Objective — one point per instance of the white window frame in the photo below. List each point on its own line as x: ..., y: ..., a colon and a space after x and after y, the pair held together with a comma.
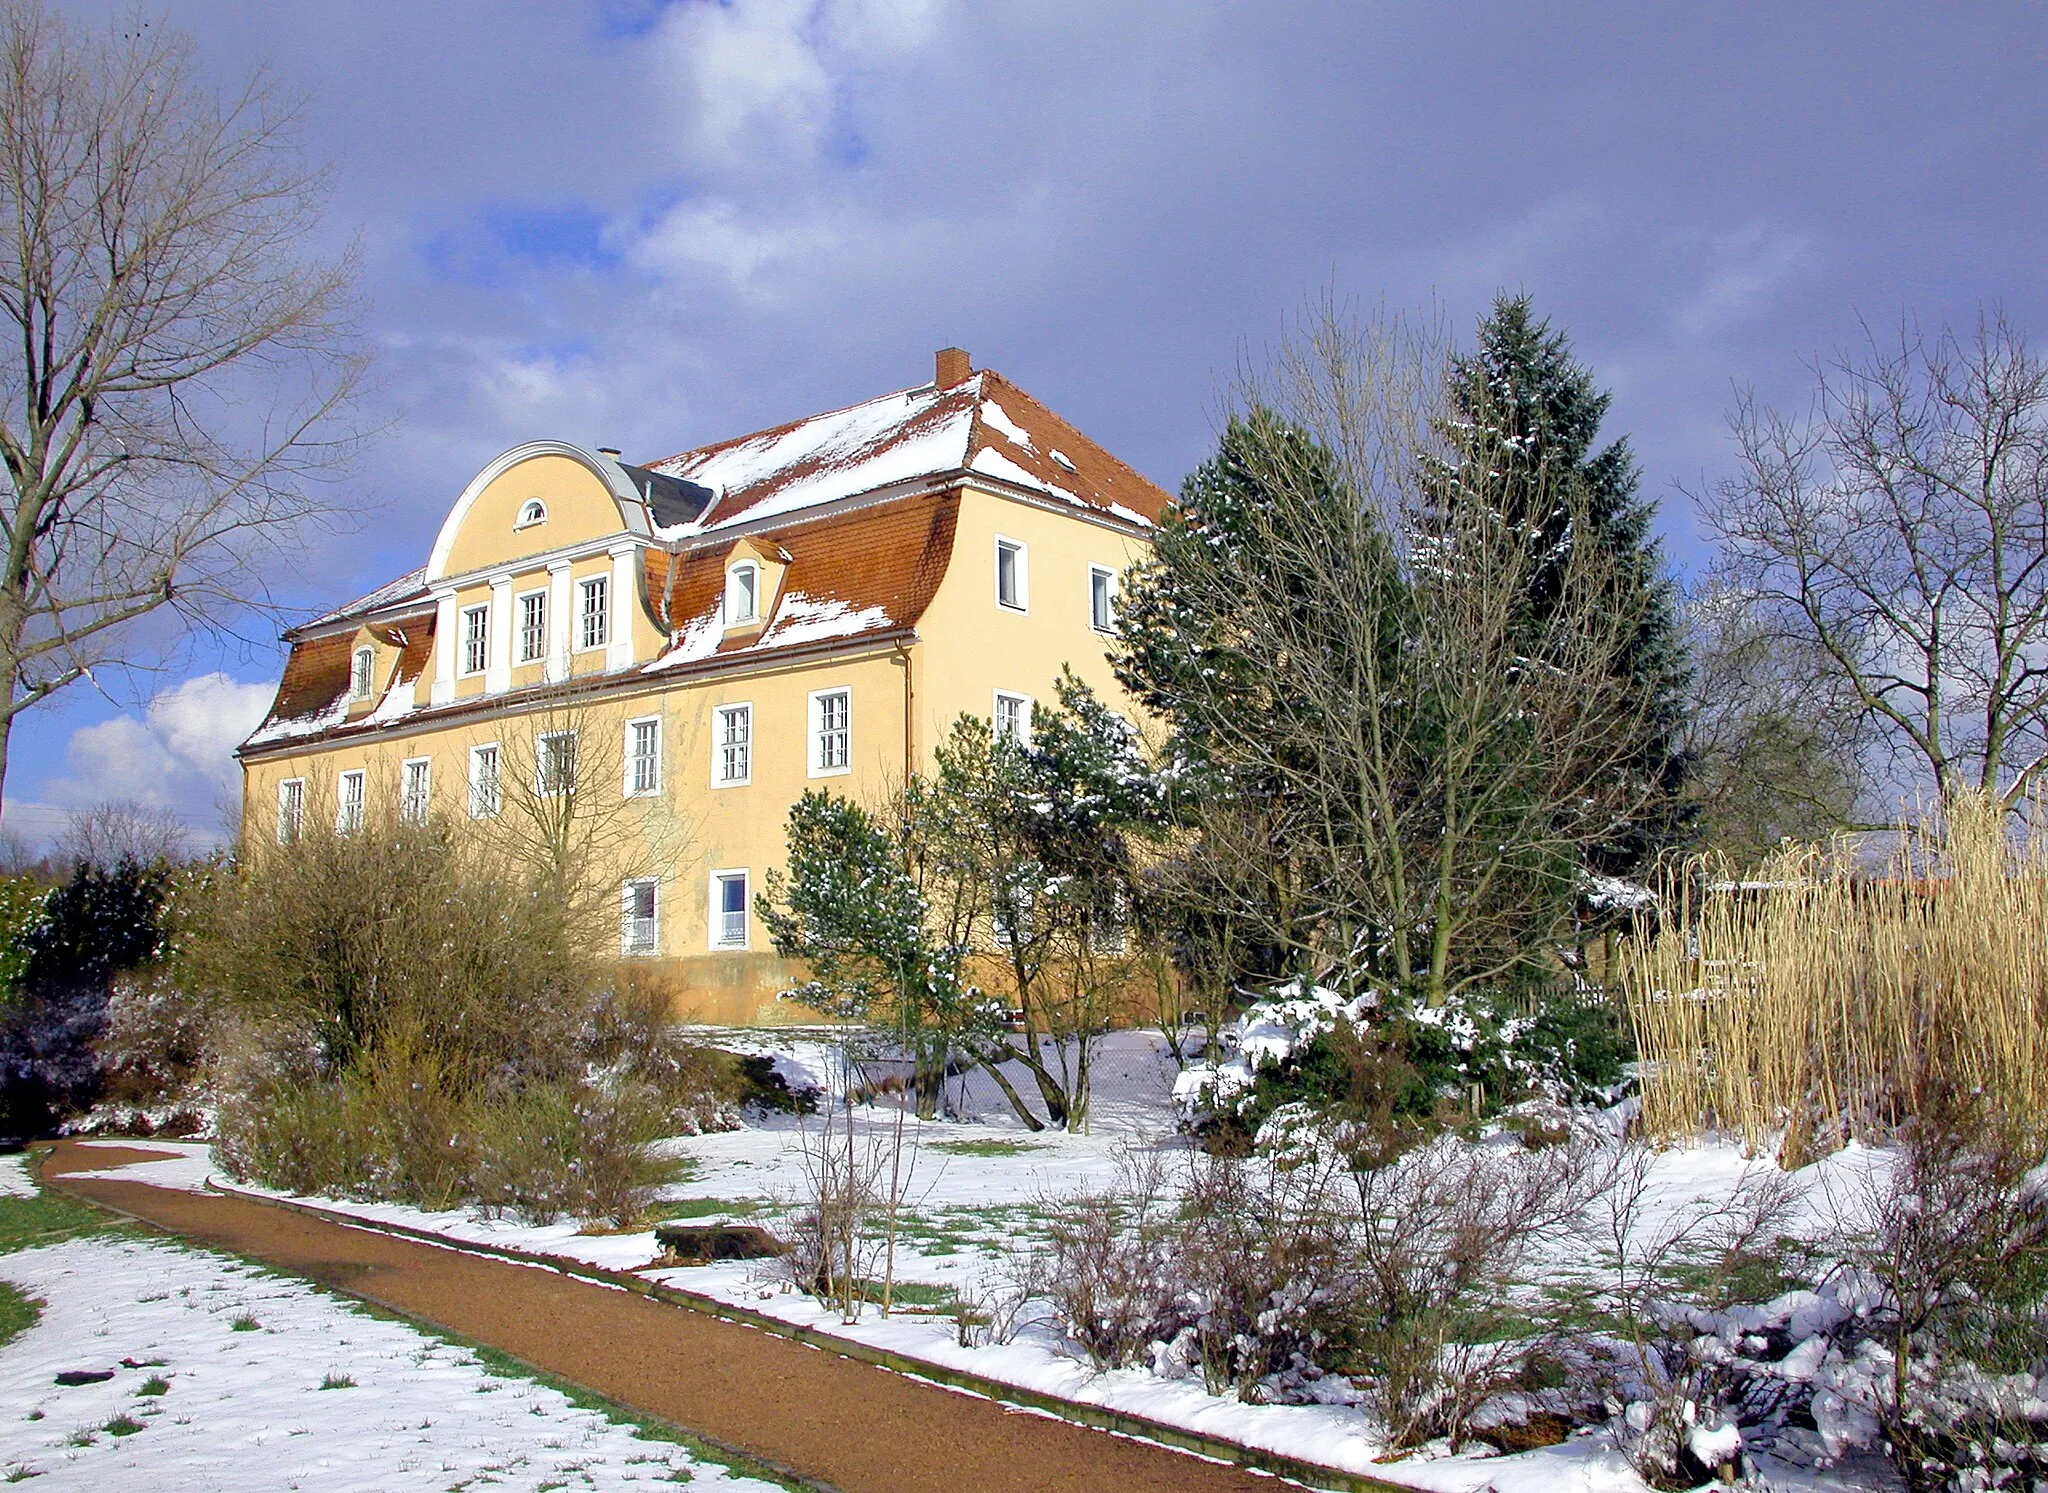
x: 995, y: 717
x: 629, y: 785
x: 719, y: 745
x: 414, y: 808
x: 362, y: 673
x: 528, y: 517
x: 1103, y: 577
x: 733, y: 617
x: 349, y: 795
x: 629, y: 946
x: 477, y: 646
x: 820, y: 768
x: 540, y: 763
x: 291, y: 810
x: 599, y: 636
x: 715, y: 914
x: 1022, y: 572
x: 520, y: 657
x: 479, y: 808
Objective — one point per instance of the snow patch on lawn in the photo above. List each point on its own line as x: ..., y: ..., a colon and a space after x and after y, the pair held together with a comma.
x: 14, y: 1179
x: 244, y: 1408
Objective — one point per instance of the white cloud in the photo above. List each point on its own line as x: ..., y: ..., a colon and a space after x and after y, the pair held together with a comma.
x: 178, y: 755
x: 1750, y: 266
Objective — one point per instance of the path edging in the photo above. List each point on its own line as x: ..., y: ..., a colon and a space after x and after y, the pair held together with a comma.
x: 1096, y: 1417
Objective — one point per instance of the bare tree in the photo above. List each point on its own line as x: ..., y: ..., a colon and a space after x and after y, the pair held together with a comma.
x: 177, y: 352
x: 1898, y: 533
x: 1772, y: 733
x: 124, y: 829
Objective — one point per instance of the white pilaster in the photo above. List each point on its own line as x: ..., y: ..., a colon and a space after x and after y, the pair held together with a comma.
x: 447, y: 646
x: 624, y: 588
x: 562, y: 621
x: 498, y: 672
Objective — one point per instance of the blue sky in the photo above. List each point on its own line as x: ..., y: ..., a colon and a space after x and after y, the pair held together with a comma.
x: 654, y: 225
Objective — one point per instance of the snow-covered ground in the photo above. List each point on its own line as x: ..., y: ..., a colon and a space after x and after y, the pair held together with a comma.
x: 228, y: 1378
x: 974, y: 1187
x: 14, y: 1182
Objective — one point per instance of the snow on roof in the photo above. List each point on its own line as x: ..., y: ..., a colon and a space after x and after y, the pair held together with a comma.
x: 922, y: 432
x: 405, y: 588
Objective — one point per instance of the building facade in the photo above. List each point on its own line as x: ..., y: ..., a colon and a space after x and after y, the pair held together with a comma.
x: 695, y: 641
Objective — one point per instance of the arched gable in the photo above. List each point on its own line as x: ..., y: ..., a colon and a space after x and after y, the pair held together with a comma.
x: 585, y: 494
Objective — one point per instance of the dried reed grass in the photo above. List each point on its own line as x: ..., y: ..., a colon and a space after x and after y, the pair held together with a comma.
x: 1822, y: 999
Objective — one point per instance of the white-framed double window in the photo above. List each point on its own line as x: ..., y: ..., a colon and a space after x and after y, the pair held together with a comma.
x: 1013, y: 578
x: 593, y: 612
x: 348, y: 802
x: 533, y: 626
x: 476, y: 639
x: 1012, y: 717
x: 362, y: 673
x: 554, y: 763
x: 291, y: 810
x: 743, y: 594
x: 831, y: 732
x: 485, y: 798
x: 728, y: 909
x: 732, y: 746
x: 643, y: 757
x: 1101, y: 598
x: 415, y: 789
x: 639, y: 917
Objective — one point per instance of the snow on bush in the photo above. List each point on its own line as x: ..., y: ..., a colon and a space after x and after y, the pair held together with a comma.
x: 1270, y: 1032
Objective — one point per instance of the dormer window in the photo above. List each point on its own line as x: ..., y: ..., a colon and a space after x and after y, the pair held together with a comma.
x: 533, y: 512
x: 361, y: 673
x: 742, y: 595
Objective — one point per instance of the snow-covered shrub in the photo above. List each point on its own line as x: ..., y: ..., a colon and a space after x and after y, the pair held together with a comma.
x: 1109, y: 1265
x: 1396, y: 1067
x: 153, y: 1057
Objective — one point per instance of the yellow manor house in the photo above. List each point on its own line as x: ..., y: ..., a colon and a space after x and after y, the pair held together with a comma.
x: 713, y: 633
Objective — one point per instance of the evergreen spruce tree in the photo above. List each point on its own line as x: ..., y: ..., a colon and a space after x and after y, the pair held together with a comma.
x: 1525, y: 418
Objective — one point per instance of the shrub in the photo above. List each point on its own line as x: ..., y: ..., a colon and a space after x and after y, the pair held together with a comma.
x: 405, y: 1017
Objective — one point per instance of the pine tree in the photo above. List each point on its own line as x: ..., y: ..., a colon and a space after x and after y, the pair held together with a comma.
x: 1525, y: 419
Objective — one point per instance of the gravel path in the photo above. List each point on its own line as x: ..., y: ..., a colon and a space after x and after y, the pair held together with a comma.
x: 854, y: 1427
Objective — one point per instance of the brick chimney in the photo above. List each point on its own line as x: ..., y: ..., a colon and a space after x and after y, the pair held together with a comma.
x: 954, y: 366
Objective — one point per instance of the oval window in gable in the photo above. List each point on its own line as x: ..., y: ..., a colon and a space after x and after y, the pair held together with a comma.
x: 534, y: 512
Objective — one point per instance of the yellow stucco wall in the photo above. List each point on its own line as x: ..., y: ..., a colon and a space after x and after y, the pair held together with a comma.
x: 579, y: 507
x: 974, y: 647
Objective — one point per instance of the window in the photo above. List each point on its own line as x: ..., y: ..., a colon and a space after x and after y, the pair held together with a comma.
x: 728, y: 909
x: 732, y: 747
x: 1011, y: 582
x: 483, y: 781
x: 362, y: 673
x: 643, y: 757
x: 594, y: 628
x: 1013, y: 718
x: 476, y: 639
x: 742, y: 594
x: 533, y: 627
x: 638, y: 933
x: 414, y: 790
x: 533, y: 512
x: 1101, y: 598
x: 554, y: 768
x: 348, y: 803
x: 291, y: 810
x: 831, y: 731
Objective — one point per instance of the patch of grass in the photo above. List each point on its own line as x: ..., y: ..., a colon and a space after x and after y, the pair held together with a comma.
x: 245, y: 1323
x: 122, y: 1425
x: 47, y: 1218
x: 985, y: 1147
x: 154, y: 1385
x: 702, y: 1208
x: 20, y: 1472
x: 18, y: 1313
x: 915, y: 1293
x: 83, y: 1436
x: 338, y: 1381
